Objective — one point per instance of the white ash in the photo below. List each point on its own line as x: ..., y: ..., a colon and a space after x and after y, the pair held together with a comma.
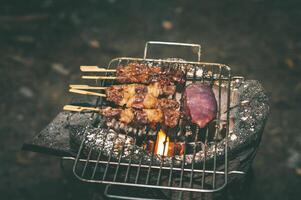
x: 233, y: 137
x: 244, y: 118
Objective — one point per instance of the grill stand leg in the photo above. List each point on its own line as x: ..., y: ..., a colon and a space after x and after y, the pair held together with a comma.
x: 157, y: 194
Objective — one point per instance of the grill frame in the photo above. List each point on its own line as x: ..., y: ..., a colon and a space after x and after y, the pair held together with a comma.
x: 221, y: 79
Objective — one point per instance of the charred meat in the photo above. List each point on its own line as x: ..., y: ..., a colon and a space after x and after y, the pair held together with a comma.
x: 141, y: 73
x: 138, y: 100
x: 167, y: 117
x: 154, y: 89
x: 200, y: 103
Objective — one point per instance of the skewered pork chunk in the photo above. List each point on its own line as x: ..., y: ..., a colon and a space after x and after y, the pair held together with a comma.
x: 168, y: 118
x: 154, y: 89
x: 141, y: 73
x: 200, y: 103
x: 140, y: 100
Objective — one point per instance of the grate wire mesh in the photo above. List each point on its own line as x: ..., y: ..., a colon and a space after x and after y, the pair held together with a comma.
x: 205, y: 176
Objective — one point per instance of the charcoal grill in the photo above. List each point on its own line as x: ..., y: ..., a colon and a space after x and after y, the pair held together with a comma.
x: 206, y: 168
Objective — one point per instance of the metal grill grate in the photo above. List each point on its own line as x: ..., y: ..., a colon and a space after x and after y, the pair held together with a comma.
x: 204, y: 168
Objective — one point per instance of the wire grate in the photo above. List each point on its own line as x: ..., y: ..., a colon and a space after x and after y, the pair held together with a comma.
x: 203, y: 164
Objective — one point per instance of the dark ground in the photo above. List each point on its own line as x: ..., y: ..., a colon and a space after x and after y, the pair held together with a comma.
x: 43, y: 43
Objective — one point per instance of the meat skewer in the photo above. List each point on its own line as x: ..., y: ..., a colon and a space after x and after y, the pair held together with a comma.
x: 166, y: 117
x: 129, y: 115
x: 141, y: 101
x: 135, y: 96
x: 141, y: 96
x: 87, y: 87
x: 155, y: 89
x: 77, y: 91
x: 95, y: 69
x: 138, y: 101
x: 138, y: 73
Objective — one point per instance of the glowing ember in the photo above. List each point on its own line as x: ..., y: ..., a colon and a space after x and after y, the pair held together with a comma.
x: 161, y: 139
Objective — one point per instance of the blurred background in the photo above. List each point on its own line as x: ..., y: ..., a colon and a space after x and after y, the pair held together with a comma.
x: 44, y: 42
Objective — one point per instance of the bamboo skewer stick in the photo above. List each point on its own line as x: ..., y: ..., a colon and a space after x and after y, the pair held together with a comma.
x: 87, y: 92
x: 79, y: 108
x: 95, y: 69
x: 99, y: 77
x: 87, y: 87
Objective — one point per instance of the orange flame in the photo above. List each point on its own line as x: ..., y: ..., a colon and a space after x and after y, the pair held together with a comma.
x: 159, y: 147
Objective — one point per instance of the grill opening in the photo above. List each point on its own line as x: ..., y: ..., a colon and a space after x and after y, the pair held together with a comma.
x: 181, y: 159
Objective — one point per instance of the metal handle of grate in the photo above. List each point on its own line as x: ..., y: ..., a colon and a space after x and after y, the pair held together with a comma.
x: 209, y: 175
x: 197, y: 46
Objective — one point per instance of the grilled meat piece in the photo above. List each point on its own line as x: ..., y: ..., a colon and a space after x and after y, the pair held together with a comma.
x: 167, y: 117
x: 200, y: 103
x: 138, y: 100
x: 129, y: 115
x: 168, y: 104
x: 141, y: 101
x: 141, y: 73
x: 155, y: 89
x: 171, y: 117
